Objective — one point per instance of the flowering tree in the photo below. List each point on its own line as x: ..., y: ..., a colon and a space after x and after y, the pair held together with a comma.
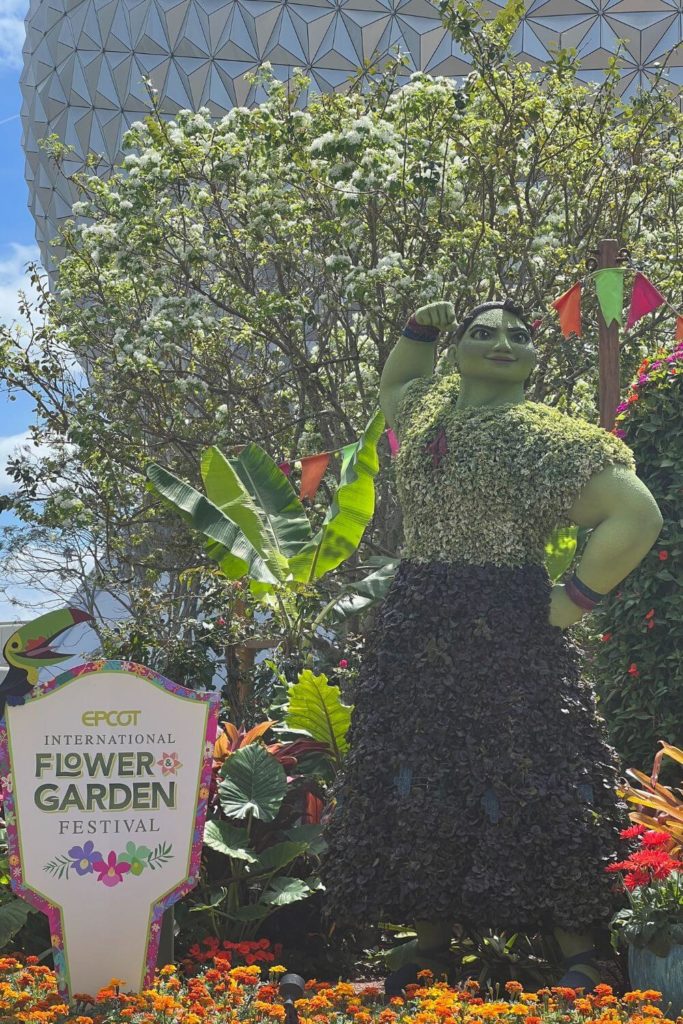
x: 244, y: 280
x: 638, y: 661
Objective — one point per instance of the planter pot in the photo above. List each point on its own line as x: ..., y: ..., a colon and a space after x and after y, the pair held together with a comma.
x: 664, y: 973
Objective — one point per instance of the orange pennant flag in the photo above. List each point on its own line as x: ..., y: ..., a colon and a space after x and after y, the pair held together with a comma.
x: 679, y: 328
x: 312, y: 471
x: 568, y: 307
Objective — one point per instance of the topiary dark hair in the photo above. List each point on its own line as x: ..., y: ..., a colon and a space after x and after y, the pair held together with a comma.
x: 507, y: 304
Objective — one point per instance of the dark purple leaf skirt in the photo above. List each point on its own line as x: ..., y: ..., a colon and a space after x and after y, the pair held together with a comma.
x: 480, y: 786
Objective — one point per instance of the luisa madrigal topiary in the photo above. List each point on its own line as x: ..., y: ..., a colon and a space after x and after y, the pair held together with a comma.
x: 638, y: 660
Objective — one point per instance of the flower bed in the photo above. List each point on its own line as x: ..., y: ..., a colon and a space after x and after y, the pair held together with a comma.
x: 230, y: 994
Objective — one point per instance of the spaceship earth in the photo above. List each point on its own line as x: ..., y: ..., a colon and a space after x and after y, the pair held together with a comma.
x: 84, y: 61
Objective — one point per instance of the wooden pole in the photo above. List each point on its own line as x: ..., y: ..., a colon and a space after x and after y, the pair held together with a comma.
x: 608, y: 343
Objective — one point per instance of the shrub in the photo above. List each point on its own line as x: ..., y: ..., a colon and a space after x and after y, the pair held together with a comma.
x: 638, y: 660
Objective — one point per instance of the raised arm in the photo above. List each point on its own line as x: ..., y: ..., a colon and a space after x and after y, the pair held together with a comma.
x: 625, y: 521
x: 413, y: 355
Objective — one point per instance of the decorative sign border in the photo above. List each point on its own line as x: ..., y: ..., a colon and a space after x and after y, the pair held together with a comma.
x: 38, y: 901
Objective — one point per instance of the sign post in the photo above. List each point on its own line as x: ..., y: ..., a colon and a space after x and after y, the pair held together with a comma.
x: 110, y: 766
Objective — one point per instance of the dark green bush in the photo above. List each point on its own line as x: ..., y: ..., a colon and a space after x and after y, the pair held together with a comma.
x: 638, y: 652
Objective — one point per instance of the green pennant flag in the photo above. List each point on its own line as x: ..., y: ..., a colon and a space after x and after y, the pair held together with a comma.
x: 609, y: 284
x: 347, y: 453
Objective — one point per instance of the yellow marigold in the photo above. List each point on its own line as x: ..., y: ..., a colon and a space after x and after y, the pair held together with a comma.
x: 529, y: 997
x: 192, y: 1018
x: 583, y: 1005
x: 167, y: 969
x: 278, y: 969
x: 116, y: 983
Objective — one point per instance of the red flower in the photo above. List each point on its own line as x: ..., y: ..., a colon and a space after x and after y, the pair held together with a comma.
x: 606, y: 637
x: 663, y: 555
x: 650, y: 614
x: 343, y: 663
x: 633, y: 670
x: 651, y: 625
x: 632, y: 832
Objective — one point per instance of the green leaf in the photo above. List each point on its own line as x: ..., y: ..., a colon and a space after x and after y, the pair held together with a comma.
x: 316, y: 707
x: 224, y: 488
x: 560, y: 550
x: 275, y: 857
x: 363, y: 594
x: 216, y: 897
x: 312, y: 835
x: 282, y: 515
x: 251, y: 912
x: 13, y: 915
x: 225, y: 541
x: 227, y: 839
x: 349, y: 513
x: 282, y: 891
x: 254, y: 784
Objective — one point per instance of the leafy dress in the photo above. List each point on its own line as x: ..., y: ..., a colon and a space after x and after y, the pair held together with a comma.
x: 479, y: 786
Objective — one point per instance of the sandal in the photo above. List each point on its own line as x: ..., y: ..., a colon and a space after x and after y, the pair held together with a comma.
x: 573, y: 977
x: 431, y: 959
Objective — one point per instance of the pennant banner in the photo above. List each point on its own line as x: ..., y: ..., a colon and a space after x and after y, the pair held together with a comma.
x: 609, y: 284
x: 286, y: 468
x: 679, y: 328
x: 393, y: 443
x: 312, y: 471
x: 568, y: 307
x: 644, y: 299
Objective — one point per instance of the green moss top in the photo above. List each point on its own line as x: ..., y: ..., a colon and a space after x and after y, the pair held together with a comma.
x: 490, y: 485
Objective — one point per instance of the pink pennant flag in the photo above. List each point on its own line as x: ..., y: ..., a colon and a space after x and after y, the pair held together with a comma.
x: 286, y: 467
x: 393, y: 442
x: 644, y: 299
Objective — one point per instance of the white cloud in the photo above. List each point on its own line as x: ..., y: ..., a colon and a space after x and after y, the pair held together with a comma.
x: 12, y: 14
x: 13, y: 276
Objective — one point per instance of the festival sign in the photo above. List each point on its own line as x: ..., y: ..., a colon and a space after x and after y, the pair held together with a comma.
x: 110, y: 769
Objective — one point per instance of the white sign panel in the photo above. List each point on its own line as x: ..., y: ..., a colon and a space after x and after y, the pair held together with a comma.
x: 110, y: 766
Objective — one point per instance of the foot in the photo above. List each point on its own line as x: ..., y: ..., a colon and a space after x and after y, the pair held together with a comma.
x: 580, y: 971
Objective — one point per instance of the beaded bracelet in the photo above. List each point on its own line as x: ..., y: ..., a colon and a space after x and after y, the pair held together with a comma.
x: 580, y: 594
x: 420, y: 332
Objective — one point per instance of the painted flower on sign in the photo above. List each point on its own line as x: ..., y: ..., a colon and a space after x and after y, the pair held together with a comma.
x: 112, y: 871
x: 169, y: 763
x: 137, y: 857
x: 84, y: 857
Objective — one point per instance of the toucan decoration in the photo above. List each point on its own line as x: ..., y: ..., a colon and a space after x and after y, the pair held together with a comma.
x: 30, y: 649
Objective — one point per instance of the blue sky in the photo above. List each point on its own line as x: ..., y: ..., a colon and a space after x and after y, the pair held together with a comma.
x: 17, y: 238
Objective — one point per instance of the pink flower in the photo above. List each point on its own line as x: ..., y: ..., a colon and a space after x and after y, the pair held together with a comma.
x: 633, y: 669
x: 619, y: 433
x: 113, y: 871
x: 663, y: 555
x: 343, y: 663
x: 169, y: 763
x: 622, y: 407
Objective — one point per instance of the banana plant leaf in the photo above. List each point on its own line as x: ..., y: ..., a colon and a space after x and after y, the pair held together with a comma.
x: 349, y: 513
x: 316, y: 708
x: 224, y: 488
x: 254, y: 783
x: 225, y: 542
x: 283, y: 516
x: 363, y: 594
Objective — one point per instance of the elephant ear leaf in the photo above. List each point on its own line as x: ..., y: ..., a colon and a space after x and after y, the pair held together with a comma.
x: 225, y: 542
x: 254, y: 784
x: 350, y: 511
x: 283, y: 517
x: 315, y: 707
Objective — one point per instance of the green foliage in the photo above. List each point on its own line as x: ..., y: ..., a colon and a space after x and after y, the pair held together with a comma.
x: 560, y: 550
x: 14, y: 913
x: 654, y: 918
x: 316, y: 708
x: 254, y: 784
x: 246, y: 538
x: 638, y: 649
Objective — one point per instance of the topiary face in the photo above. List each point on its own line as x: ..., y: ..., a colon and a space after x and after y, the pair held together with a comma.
x: 497, y: 346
